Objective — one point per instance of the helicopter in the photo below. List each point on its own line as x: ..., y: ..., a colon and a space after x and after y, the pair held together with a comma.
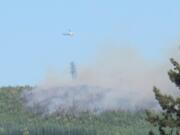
x: 69, y: 33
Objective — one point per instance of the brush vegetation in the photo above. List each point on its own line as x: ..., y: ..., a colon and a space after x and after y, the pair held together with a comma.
x: 15, y: 120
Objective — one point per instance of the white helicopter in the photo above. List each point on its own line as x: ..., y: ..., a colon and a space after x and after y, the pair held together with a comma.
x: 69, y: 33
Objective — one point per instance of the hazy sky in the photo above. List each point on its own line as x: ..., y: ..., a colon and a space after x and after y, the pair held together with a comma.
x: 31, y: 40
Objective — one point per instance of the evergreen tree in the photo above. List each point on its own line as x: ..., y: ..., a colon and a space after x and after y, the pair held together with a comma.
x: 168, y: 121
x: 73, y: 70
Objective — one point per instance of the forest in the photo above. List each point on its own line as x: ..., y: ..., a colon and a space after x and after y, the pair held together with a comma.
x: 15, y: 120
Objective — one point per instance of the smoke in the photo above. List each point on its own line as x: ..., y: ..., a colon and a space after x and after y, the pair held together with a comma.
x: 119, y: 78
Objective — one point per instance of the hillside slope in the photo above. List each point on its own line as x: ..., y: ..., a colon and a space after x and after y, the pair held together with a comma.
x: 15, y: 120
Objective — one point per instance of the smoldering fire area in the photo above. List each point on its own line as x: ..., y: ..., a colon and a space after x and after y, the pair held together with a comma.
x: 119, y: 79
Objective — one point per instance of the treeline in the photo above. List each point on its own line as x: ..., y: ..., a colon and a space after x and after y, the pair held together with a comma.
x: 15, y: 120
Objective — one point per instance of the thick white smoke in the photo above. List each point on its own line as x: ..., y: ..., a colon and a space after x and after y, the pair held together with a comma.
x: 119, y: 78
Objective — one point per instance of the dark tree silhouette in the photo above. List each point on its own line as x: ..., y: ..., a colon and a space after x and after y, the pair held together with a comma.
x: 73, y: 70
x: 168, y: 121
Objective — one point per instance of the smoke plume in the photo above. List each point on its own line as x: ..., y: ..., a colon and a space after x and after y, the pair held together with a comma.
x: 118, y: 78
